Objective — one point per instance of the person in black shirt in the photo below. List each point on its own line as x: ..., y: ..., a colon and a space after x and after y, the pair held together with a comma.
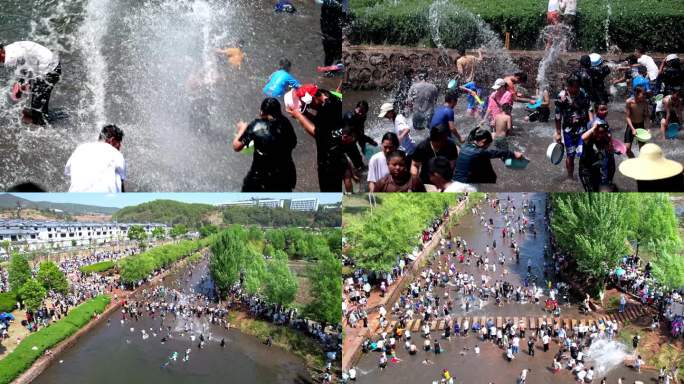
x: 474, y: 164
x: 597, y: 163
x: 332, y: 17
x: 323, y: 121
x: 438, y: 144
x: 356, y: 120
x: 274, y: 139
x: 572, y: 116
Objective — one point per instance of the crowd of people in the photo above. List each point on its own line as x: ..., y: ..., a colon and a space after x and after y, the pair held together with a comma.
x: 460, y: 279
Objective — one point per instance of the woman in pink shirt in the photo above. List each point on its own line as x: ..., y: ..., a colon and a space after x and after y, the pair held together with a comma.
x: 497, y: 99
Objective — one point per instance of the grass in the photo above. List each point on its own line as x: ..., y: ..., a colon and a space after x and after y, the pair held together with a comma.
x: 284, y: 337
x: 24, y: 355
x: 98, y: 267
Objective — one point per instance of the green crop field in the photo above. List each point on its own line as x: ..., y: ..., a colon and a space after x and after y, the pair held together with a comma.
x: 653, y: 24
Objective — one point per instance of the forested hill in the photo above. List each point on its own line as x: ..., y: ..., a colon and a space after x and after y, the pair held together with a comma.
x: 166, y: 211
x: 198, y: 215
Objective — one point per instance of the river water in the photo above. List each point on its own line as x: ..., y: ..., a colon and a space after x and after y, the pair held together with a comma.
x: 112, y: 353
x: 490, y: 365
x: 150, y: 67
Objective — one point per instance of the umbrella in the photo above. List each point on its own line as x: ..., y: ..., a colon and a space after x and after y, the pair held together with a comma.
x: 619, y: 272
x: 6, y: 316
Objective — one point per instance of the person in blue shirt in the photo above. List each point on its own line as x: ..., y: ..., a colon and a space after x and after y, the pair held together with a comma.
x: 474, y: 106
x: 281, y: 80
x: 444, y: 114
x: 640, y: 80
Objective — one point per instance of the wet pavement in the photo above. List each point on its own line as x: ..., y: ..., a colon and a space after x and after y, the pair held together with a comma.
x: 150, y: 68
x: 531, y: 138
x: 112, y: 353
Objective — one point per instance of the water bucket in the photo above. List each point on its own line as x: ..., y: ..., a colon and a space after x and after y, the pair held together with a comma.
x: 292, y: 101
x: 672, y: 131
x: 643, y: 135
x: 370, y: 150
x: 555, y: 152
x: 619, y: 147
x: 248, y: 150
x: 535, y: 105
x: 516, y: 163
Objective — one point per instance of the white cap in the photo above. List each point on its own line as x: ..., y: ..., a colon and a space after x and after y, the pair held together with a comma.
x: 385, y: 108
x: 671, y: 57
x: 595, y: 59
x: 498, y: 83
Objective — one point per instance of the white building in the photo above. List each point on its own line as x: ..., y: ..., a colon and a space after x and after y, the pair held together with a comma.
x: 310, y: 204
x: 34, y: 235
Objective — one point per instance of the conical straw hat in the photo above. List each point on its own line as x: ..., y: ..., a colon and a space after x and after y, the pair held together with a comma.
x: 650, y: 165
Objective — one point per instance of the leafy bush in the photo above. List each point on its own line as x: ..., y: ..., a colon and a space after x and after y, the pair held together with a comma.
x: 137, y: 267
x: 407, y: 22
x: 98, y: 267
x: 8, y: 301
x: 23, y: 356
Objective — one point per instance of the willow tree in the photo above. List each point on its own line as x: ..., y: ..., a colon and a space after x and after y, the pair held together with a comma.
x: 668, y: 265
x: 280, y: 285
x: 594, y: 228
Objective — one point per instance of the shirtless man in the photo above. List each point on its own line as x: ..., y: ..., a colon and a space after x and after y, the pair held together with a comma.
x: 672, y: 111
x: 503, y: 122
x: 637, y: 112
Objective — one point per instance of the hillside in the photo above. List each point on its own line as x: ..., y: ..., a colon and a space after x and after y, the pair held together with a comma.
x: 9, y: 201
x: 166, y: 211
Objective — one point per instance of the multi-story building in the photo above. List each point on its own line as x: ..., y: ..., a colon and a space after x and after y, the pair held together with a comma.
x: 309, y: 204
x: 32, y: 235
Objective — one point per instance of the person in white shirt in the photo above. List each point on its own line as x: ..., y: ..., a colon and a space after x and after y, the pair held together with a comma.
x: 36, y: 67
x: 569, y: 8
x: 651, y: 67
x: 98, y: 166
x: 377, y: 165
x: 401, y: 127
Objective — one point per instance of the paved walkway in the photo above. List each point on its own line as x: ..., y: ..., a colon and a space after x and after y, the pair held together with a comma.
x: 353, y: 337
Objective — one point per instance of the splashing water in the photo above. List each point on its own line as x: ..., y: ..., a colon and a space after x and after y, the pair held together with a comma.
x: 451, y: 24
x: 606, y: 24
x: 607, y: 354
x: 556, y: 39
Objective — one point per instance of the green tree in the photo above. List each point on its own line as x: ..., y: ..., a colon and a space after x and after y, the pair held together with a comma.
x: 52, y: 278
x: 655, y: 220
x: 7, y: 246
x: 234, y: 261
x: 594, y: 227
x: 178, y: 230
x: 208, y: 230
x: 32, y: 294
x: 158, y: 233
x: 137, y: 233
x: 19, y: 271
x: 280, y: 285
x: 326, y: 290
x: 668, y: 266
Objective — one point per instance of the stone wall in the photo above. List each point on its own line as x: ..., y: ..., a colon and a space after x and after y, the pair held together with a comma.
x: 381, y: 67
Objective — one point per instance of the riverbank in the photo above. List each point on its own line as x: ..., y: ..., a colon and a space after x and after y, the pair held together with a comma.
x: 36, y: 344
x: 286, y: 338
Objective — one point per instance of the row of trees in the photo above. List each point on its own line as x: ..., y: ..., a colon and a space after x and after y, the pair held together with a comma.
x: 281, y: 217
x: 137, y: 267
x: 376, y: 237
x: 240, y: 258
x: 599, y: 229
x: 32, y: 290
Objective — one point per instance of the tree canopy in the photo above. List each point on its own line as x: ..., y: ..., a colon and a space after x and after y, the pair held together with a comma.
x: 52, y: 277
x: 325, y: 276
x: 234, y: 261
x: 137, y: 233
x: 158, y: 233
x: 596, y: 228
x: 280, y: 283
x: 392, y: 228
x: 32, y: 294
x: 19, y: 271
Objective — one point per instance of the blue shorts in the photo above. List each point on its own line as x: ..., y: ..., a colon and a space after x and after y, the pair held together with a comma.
x: 573, y: 143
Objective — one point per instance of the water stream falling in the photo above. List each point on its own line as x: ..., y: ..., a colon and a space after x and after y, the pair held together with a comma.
x: 606, y: 355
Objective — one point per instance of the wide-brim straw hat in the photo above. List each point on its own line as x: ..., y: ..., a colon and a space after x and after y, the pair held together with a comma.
x: 650, y: 165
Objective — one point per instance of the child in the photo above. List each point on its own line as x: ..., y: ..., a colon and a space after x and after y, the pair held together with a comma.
x: 474, y: 106
x: 281, y: 80
x: 399, y: 178
x: 503, y: 122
